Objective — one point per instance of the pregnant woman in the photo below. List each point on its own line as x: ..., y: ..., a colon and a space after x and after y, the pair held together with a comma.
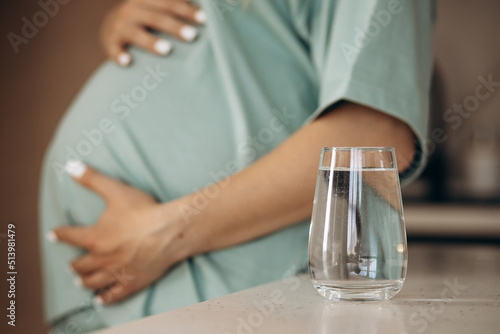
x: 188, y: 172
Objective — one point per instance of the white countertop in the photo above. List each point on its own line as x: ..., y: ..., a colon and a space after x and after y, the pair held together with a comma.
x: 449, y: 289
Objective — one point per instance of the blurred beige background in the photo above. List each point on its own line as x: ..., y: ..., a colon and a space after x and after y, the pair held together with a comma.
x: 41, y: 80
x: 38, y: 84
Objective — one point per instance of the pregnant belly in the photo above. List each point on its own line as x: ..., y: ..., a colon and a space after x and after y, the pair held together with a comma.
x: 172, y: 125
x: 150, y: 126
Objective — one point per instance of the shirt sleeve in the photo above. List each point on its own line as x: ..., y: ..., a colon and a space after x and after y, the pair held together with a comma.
x: 376, y: 53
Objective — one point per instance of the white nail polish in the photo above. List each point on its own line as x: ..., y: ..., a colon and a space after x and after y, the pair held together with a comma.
x: 51, y: 236
x: 163, y: 47
x: 200, y: 16
x: 78, y: 281
x: 75, y: 168
x: 98, y: 300
x: 124, y: 59
x: 188, y: 33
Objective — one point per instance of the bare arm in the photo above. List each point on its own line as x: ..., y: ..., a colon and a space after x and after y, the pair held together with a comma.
x: 278, y: 190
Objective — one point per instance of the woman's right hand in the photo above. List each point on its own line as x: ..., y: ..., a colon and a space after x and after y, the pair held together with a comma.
x: 130, y: 21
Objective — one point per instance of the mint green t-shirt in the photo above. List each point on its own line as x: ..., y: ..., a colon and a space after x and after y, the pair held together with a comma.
x: 259, y: 71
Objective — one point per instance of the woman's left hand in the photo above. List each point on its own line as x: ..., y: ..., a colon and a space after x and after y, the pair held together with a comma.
x: 132, y: 244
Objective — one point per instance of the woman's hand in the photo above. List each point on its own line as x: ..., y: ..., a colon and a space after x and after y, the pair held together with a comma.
x: 130, y: 21
x: 131, y: 245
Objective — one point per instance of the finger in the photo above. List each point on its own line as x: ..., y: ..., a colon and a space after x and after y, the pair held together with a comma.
x: 167, y: 24
x: 92, y: 262
x: 119, y: 54
x: 97, y: 280
x: 188, y: 12
x: 75, y: 235
x: 146, y: 40
x: 86, y: 265
x: 116, y: 50
x: 109, y: 36
x: 114, y: 294
x: 181, y: 9
x: 90, y: 178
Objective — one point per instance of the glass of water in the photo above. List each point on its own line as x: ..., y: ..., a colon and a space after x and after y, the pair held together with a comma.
x: 357, y: 241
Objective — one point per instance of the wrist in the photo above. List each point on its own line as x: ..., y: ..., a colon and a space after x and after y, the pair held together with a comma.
x: 178, y: 230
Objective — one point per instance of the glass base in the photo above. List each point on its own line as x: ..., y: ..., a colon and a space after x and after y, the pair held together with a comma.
x: 365, y: 292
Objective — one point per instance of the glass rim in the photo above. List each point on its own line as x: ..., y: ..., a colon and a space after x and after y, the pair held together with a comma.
x: 364, y: 148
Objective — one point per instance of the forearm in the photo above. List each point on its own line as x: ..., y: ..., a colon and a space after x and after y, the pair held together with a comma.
x: 278, y: 190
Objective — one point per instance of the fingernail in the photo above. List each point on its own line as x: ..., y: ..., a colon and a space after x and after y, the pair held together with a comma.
x: 78, y: 281
x: 98, y: 300
x: 188, y: 33
x: 52, y: 236
x: 200, y: 16
x: 124, y: 59
x: 163, y: 47
x: 75, y: 168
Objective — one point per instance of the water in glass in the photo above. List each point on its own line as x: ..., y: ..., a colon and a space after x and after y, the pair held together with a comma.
x: 357, y: 242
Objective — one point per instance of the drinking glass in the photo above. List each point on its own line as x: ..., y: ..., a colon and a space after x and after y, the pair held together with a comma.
x: 357, y: 240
